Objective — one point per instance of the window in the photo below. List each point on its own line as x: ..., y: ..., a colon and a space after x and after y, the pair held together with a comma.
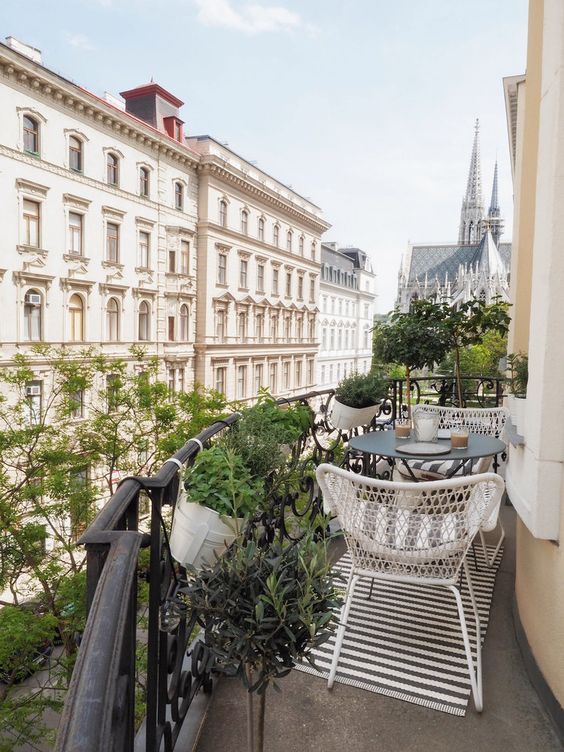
x: 31, y: 135
x: 220, y: 379
x: 286, y: 374
x: 34, y: 396
x: 273, y: 377
x: 301, y: 245
x: 275, y: 277
x: 112, y: 242
x: 289, y: 241
x: 144, y: 178
x: 184, y: 323
x: 258, y: 377
x: 312, y: 291
x: 75, y: 154
x: 332, y: 339
x: 172, y: 380
x: 112, y: 320
x: 340, y: 339
x: 144, y: 250
x: 171, y: 327
x: 76, y: 318
x: 172, y: 261
x: 323, y: 374
x: 260, y: 277
x: 241, y: 381
x: 184, y: 257
x: 324, y: 339
x: 287, y: 327
x: 261, y: 229
x: 223, y: 213
x: 178, y: 196
x: 313, y: 249
x: 300, y: 328
x: 75, y: 233
x: 300, y: 288
x: 144, y: 321
x: 298, y: 373
x: 221, y: 324
x: 274, y: 327
x: 222, y: 269
x: 243, y: 267
x: 245, y: 222
x: 259, y: 327
x: 310, y: 371
x: 112, y: 169
x: 276, y: 235
x: 77, y: 404
x: 31, y: 220
x: 242, y: 326
x: 288, y: 284
x: 33, y: 315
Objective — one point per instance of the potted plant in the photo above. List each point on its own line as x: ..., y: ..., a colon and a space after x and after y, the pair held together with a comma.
x: 218, y: 493
x: 518, y: 378
x: 264, y: 608
x: 357, y: 399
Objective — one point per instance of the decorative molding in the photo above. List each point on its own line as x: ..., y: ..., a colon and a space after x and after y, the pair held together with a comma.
x: 33, y: 112
x: 142, y: 292
x: 179, y: 230
x: 109, y: 211
x: 75, y: 132
x: 223, y: 248
x: 147, y: 223
x: 32, y: 278
x: 68, y: 283
x: 245, y: 255
x: 110, y: 288
x: 113, y: 150
x: 34, y: 189
x: 77, y: 264
x: 76, y: 201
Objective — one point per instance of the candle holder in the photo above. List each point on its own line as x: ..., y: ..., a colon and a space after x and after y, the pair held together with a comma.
x: 402, y: 428
x: 426, y: 426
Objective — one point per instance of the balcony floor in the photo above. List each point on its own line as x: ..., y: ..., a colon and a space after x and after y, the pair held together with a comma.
x: 306, y: 716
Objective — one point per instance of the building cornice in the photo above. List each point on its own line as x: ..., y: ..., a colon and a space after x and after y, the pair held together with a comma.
x: 42, y: 82
x: 218, y: 168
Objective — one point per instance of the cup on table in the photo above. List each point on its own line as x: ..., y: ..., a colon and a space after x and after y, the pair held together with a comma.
x: 402, y: 428
x: 426, y: 425
x: 459, y: 437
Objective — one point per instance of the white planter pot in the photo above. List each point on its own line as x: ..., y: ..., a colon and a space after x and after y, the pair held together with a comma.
x: 520, y: 407
x: 199, y: 534
x: 345, y: 417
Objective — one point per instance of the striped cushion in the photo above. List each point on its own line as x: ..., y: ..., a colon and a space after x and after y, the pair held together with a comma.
x: 433, y: 469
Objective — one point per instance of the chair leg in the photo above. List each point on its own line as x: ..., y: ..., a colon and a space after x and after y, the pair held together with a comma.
x: 490, y: 561
x: 475, y: 674
x: 353, y: 579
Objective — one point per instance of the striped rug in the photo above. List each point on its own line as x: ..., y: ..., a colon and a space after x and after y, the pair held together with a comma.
x: 406, y: 641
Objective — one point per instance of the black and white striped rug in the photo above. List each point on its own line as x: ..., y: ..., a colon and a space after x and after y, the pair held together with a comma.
x: 406, y: 641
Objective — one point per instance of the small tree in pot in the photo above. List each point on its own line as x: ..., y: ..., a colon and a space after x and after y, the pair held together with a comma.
x: 357, y: 399
x: 264, y: 609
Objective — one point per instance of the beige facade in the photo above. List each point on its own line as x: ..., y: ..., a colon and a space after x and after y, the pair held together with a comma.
x: 535, y: 478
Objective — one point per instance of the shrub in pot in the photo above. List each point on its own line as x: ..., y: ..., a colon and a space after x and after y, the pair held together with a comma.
x: 518, y: 378
x: 219, y: 493
x: 357, y: 399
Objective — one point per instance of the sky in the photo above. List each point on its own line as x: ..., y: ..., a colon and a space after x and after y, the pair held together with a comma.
x: 367, y: 107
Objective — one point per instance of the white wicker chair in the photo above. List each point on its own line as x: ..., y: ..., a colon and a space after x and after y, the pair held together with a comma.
x: 485, y: 421
x: 411, y: 532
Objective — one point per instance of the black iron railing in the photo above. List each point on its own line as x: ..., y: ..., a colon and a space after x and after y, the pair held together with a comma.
x: 99, y: 712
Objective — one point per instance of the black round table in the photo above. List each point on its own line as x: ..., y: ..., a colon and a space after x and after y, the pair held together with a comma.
x: 384, y: 444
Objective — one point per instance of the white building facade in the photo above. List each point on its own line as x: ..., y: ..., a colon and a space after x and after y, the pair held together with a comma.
x: 347, y: 307
x: 119, y: 231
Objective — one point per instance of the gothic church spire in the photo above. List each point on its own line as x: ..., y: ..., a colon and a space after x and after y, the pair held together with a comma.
x: 472, y: 212
x: 494, y: 220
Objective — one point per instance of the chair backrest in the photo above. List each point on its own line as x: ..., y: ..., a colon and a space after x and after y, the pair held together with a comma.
x: 409, y: 531
x: 488, y: 421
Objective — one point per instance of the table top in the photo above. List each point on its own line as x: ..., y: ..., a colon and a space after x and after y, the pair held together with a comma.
x: 385, y: 444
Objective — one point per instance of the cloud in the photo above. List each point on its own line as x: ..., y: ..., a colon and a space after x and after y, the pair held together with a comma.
x: 79, y: 40
x: 249, y: 19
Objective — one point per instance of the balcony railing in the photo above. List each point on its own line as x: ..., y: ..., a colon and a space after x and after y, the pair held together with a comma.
x: 99, y: 712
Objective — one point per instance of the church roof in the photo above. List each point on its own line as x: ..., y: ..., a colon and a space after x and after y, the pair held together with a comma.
x: 489, y: 258
x: 438, y: 260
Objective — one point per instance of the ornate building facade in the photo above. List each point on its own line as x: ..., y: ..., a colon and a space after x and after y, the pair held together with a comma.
x: 476, y: 267
x: 347, y: 300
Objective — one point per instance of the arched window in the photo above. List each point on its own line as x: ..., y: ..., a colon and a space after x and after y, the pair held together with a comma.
x: 289, y: 241
x: 301, y: 245
x: 261, y: 229
x: 223, y: 213
x: 76, y: 319
x: 178, y: 196
x: 33, y: 316
x: 184, y: 323
x: 276, y: 235
x: 112, y: 320
x: 144, y: 320
x: 31, y: 134
x: 245, y: 222
x: 144, y: 177
x: 112, y: 168
x: 75, y: 154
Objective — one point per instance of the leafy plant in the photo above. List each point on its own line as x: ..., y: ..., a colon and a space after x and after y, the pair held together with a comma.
x: 220, y: 480
x: 519, y: 373
x: 264, y: 609
x: 362, y: 389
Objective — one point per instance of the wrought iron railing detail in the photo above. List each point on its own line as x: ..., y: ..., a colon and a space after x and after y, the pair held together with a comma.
x: 99, y: 712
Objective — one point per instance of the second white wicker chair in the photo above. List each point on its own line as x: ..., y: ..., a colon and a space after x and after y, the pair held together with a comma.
x: 411, y: 532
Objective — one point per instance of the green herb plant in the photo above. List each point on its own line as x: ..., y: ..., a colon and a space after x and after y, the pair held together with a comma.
x: 362, y: 389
